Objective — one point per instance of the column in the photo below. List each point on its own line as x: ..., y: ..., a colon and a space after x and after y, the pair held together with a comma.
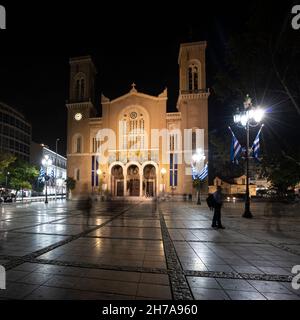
x: 109, y: 184
x: 125, y: 185
x: 141, y: 184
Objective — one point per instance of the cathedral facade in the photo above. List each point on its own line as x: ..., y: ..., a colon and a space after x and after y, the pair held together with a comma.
x: 136, y: 148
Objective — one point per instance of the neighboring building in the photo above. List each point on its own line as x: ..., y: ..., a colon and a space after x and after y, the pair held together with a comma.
x: 15, y: 132
x: 134, y: 167
x: 261, y: 183
x: 234, y: 187
x: 297, y: 189
x: 58, y: 168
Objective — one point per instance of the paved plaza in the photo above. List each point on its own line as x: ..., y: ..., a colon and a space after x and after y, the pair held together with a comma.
x: 148, y: 250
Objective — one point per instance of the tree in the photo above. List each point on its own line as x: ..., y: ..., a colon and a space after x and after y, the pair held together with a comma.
x: 262, y: 60
x: 39, y: 186
x: 220, y: 164
x: 23, y: 175
x: 70, y: 184
x: 6, y: 160
x: 282, y: 170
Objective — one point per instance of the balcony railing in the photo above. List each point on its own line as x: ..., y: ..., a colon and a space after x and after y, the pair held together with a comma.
x: 133, y: 155
x: 194, y: 91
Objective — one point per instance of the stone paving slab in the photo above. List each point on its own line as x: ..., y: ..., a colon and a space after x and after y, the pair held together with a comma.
x: 148, y: 250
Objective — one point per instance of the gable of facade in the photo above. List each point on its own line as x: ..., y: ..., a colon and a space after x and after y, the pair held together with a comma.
x: 126, y: 151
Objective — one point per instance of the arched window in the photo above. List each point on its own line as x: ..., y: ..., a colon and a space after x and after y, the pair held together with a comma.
x: 190, y: 79
x: 133, y: 130
x: 194, y: 142
x: 77, y: 174
x: 193, y: 76
x: 80, y: 86
x: 77, y: 89
x: 77, y: 143
x: 173, y: 141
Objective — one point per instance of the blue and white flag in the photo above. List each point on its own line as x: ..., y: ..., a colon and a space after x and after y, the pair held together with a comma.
x: 256, y: 146
x: 52, y: 175
x: 236, y: 148
x: 201, y: 174
x: 42, y: 174
x: 204, y: 172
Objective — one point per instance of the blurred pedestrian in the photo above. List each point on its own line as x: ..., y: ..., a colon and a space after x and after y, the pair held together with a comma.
x: 218, y: 202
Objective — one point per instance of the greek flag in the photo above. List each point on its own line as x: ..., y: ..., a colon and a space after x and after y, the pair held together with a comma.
x: 236, y: 148
x: 42, y: 174
x: 256, y: 146
x: 204, y: 172
x: 52, y: 175
x: 200, y: 175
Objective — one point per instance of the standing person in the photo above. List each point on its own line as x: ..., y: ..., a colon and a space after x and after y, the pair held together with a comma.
x: 218, y: 202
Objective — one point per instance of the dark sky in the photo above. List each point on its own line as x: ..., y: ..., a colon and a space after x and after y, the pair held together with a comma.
x: 128, y: 42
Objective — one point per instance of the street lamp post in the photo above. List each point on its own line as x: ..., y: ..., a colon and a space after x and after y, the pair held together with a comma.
x: 6, y: 179
x: 163, y: 171
x: 56, y: 142
x: 249, y: 117
x: 99, y: 173
x: 46, y: 162
x: 197, y: 158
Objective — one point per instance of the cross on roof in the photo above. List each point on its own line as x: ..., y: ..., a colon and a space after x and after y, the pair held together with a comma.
x: 133, y: 87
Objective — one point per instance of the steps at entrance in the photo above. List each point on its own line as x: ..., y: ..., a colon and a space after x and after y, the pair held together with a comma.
x: 133, y: 199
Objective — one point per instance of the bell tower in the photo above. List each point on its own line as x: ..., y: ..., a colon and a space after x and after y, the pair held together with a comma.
x: 192, y: 72
x: 193, y: 96
x: 82, y: 79
x: 81, y: 108
x: 81, y: 103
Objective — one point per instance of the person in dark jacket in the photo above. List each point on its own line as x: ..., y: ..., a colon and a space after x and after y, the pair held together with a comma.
x: 218, y: 202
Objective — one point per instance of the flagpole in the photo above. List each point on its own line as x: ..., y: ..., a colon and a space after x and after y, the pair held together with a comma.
x: 247, y: 213
x: 56, y: 167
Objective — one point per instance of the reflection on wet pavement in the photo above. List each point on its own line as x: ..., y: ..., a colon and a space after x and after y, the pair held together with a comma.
x: 120, y: 250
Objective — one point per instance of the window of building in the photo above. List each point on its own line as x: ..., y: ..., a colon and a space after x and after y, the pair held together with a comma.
x: 77, y: 88
x: 78, y: 144
x: 80, y: 87
x: 173, y: 170
x: 172, y: 142
x: 77, y: 174
x: 190, y: 78
x: 133, y: 131
x: 193, y: 142
x: 96, y: 145
x: 193, y: 76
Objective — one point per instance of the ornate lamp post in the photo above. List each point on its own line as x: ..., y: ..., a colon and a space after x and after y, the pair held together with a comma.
x: 99, y: 173
x: 56, y: 142
x: 46, y: 162
x: 163, y: 172
x: 249, y: 117
x: 6, y: 178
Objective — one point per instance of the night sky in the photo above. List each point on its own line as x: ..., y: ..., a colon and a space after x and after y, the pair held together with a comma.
x: 129, y: 43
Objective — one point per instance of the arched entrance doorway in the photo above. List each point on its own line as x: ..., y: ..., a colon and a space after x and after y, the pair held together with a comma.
x: 149, y: 183
x: 117, y: 181
x: 133, y: 181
